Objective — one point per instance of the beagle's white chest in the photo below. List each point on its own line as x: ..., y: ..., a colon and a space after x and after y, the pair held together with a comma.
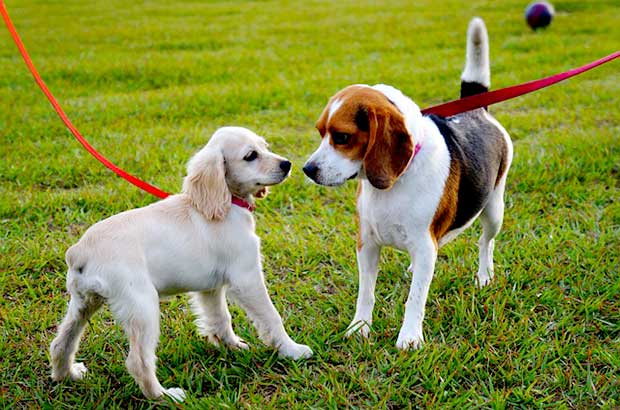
x: 383, y: 220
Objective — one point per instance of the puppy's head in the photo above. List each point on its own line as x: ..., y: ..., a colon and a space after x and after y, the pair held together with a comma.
x: 362, y: 133
x: 234, y: 162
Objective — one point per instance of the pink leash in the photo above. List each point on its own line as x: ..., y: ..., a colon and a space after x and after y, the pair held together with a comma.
x: 445, y: 110
x: 492, y: 97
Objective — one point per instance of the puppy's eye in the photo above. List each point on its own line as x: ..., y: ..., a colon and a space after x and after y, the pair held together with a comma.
x: 340, y: 138
x: 251, y: 156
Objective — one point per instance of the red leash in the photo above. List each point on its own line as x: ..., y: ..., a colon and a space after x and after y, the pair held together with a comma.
x: 134, y: 180
x: 445, y: 110
x: 503, y: 94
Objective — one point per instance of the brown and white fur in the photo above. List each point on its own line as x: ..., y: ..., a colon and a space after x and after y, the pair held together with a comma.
x: 191, y: 242
x: 415, y: 202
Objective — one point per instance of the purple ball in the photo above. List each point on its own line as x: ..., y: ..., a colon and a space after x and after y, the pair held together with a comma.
x: 539, y: 14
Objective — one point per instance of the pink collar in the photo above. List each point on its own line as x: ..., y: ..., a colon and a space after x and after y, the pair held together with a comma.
x: 416, y: 150
x: 243, y: 203
x: 250, y: 207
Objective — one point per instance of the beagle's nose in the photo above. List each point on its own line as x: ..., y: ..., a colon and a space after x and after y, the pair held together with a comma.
x: 285, y: 166
x: 311, y: 170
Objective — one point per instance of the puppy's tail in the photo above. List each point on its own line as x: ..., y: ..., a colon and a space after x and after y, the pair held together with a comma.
x: 79, y: 279
x: 476, y: 77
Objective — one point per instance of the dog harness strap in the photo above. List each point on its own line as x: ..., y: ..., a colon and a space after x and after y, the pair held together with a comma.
x: 492, y: 97
x: 243, y: 203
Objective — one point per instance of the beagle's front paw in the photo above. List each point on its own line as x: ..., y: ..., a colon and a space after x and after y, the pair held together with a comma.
x: 484, y: 277
x: 359, y: 327
x: 409, y: 340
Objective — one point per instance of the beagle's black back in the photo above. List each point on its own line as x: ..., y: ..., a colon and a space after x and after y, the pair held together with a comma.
x: 478, y: 153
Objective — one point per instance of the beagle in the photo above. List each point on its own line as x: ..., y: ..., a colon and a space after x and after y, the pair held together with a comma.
x: 423, y: 179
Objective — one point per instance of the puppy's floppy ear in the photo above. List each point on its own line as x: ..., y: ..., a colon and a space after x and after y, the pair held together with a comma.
x: 261, y: 193
x: 390, y: 146
x: 205, y: 184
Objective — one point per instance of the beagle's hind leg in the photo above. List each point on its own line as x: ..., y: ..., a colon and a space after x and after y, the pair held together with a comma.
x: 491, y: 218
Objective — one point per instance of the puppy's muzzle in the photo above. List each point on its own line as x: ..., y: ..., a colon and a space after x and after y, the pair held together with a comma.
x: 285, y: 166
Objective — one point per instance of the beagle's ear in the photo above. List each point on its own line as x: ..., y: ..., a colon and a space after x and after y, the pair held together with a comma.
x: 390, y: 146
x: 261, y: 193
x: 205, y: 184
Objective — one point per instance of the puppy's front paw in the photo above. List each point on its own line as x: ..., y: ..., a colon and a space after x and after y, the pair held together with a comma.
x: 77, y: 371
x: 175, y: 393
x: 237, y: 344
x: 295, y: 351
x: 358, y: 327
x: 408, y: 341
x: 230, y: 339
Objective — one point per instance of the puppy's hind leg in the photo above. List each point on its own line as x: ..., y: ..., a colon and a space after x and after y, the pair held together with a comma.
x: 65, y: 344
x: 213, y: 318
x: 138, y: 312
x: 491, y: 218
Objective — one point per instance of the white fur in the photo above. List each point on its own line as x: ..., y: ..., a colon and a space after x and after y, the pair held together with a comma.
x: 409, y: 109
x: 180, y: 244
x: 335, y: 168
x: 402, y: 216
x: 492, y: 215
x: 450, y: 235
x: 477, y: 67
x: 334, y: 107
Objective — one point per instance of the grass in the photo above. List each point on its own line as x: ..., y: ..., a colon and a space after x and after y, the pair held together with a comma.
x: 148, y: 83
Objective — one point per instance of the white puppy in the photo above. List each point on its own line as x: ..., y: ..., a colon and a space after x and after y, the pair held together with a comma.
x: 194, y: 241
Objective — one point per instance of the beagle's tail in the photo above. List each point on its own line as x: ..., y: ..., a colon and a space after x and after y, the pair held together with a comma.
x: 476, y: 77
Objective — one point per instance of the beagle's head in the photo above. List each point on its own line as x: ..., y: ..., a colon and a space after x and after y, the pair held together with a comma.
x: 363, y: 133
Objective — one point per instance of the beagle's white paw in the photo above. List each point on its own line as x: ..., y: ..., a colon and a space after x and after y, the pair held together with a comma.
x: 409, y: 340
x: 359, y: 327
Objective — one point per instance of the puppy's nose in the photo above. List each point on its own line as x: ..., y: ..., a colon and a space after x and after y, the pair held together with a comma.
x: 285, y: 166
x: 311, y: 170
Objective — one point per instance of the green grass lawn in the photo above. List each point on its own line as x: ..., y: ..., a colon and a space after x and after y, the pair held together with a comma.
x: 148, y: 84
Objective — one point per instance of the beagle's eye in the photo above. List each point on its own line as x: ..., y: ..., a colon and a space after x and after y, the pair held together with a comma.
x: 340, y: 138
x: 251, y: 156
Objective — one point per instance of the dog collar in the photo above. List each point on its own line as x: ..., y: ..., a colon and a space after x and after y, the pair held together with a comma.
x: 243, y: 203
x: 416, y: 150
